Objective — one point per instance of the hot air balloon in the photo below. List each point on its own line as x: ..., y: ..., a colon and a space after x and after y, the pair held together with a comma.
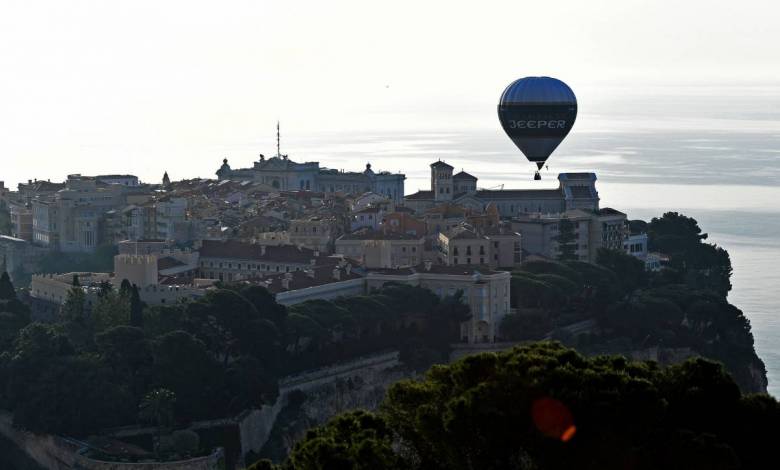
x: 537, y: 113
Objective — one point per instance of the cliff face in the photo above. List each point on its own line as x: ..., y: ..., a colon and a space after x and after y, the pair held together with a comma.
x: 748, y: 369
x: 364, y: 389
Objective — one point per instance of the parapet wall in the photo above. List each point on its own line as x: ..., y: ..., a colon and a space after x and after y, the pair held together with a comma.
x: 208, y: 462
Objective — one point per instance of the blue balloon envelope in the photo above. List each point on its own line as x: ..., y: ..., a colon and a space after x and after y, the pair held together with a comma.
x: 537, y: 113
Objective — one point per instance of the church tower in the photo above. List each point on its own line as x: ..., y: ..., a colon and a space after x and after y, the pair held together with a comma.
x: 166, y: 180
x: 441, y: 181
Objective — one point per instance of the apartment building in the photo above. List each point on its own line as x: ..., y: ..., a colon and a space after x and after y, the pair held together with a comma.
x: 375, y: 249
x: 495, y: 247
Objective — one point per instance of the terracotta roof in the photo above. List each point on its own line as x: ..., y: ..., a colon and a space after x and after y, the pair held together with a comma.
x: 317, y: 276
x: 168, y: 263
x: 366, y: 234
x: 462, y: 233
x: 420, y: 195
x: 367, y: 210
x: 457, y: 270
x: 519, y: 193
x: 609, y: 211
x: 463, y: 175
x: 447, y: 210
x: 44, y: 186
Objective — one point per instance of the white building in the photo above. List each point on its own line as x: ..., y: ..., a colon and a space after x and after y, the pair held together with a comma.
x: 122, y: 180
x: 486, y: 292
x: 604, y: 228
x: 281, y: 173
x: 69, y: 220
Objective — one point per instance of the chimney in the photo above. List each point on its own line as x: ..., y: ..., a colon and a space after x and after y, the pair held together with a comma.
x: 428, y: 264
x: 337, y: 274
x: 348, y: 268
x: 262, y: 250
x: 316, y: 254
x: 286, y: 283
x: 310, y: 273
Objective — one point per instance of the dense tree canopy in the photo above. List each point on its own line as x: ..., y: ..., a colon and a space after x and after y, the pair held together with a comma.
x: 545, y: 406
x: 219, y: 354
x: 699, y: 264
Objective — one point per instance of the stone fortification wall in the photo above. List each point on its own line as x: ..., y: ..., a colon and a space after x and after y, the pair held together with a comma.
x: 50, y: 452
x: 208, y: 462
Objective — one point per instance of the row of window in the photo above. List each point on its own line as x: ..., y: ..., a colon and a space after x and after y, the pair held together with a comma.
x: 248, y: 266
x: 468, y: 250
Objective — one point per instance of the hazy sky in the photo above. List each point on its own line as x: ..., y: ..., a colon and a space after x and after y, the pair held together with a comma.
x: 143, y: 87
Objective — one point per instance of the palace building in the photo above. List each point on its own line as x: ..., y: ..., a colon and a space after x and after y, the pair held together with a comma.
x: 286, y: 175
x: 575, y: 191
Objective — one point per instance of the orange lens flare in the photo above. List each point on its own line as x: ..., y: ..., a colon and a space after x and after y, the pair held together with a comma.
x: 569, y: 433
x: 553, y: 419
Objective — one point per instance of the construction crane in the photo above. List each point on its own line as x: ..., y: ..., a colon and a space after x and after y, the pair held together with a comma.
x: 500, y: 187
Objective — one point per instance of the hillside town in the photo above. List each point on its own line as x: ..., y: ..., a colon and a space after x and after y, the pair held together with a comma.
x: 303, y: 232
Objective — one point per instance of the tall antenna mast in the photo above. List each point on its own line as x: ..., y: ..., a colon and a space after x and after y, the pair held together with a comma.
x: 278, y: 151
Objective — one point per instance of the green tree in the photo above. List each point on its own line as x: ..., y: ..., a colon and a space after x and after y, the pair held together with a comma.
x: 701, y: 265
x: 128, y: 352
x: 265, y: 304
x: 14, y: 315
x: 629, y: 270
x: 567, y: 240
x: 353, y: 441
x: 158, y: 408
x: 301, y: 328
x: 73, y: 308
x: 528, y: 291
x: 545, y: 406
x: 72, y: 395
x: 111, y: 309
x: 162, y: 319
x: 250, y: 384
x: 7, y: 291
x: 221, y: 319
x: 183, y: 365
x: 525, y: 326
x: 136, y: 308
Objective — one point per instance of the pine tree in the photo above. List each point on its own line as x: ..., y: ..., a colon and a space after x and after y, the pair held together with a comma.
x: 136, y: 308
x: 7, y: 291
x: 125, y: 288
x: 567, y: 240
x: 73, y: 308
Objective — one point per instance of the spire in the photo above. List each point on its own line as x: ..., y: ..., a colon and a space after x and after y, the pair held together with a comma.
x: 166, y: 180
x: 278, y: 141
